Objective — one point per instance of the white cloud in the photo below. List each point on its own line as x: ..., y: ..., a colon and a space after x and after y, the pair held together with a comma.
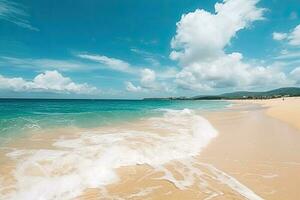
x: 199, y: 47
x: 148, y: 77
x: 292, y: 37
x: 295, y: 74
x: 112, y: 63
x: 15, y: 13
x: 149, y: 80
x: 228, y: 71
x: 290, y: 57
x: 15, y: 84
x: 148, y: 83
x: 286, y: 55
x: 167, y: 73
x: 49, y: 81
x: 132, y: 88
x: 201, y: 35
x: 279, y: 36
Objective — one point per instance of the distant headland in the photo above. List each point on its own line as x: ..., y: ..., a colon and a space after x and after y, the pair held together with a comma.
x: 277, y: 93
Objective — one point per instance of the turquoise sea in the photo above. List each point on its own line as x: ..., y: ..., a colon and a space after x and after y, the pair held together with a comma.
x: 161, y: 133
x: 19, y: 115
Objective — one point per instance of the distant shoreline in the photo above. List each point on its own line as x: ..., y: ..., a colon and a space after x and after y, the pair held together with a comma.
x: 271, y: 94
x: 240, y: 95
x: 287, y: 110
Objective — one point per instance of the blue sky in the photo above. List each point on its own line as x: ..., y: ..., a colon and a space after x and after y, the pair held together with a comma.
x: 135, y: 49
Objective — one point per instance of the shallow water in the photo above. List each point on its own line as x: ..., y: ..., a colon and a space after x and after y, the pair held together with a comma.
x: 81, y: 144
x: 20, y: 115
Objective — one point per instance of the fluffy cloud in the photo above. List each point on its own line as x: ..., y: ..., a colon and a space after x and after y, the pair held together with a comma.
x: 293, y: 37
x: 148, y: 78
x: 279, y: 36
x: 202, y: 35
x: 49, y: 81
x: 148, y: 82
x: 113, y: 63
x: 228, y: 71
x: 199, y: 47
x: 132, y: 88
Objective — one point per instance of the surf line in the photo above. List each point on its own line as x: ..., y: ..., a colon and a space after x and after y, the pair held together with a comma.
x: 233, y: 183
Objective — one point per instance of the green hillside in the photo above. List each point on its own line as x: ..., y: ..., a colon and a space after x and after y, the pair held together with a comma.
x: 288, y: 91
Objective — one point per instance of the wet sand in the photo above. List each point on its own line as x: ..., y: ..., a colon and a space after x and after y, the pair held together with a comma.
x: 285, y: 109
x: 260, y: 152
x: 255, y: 156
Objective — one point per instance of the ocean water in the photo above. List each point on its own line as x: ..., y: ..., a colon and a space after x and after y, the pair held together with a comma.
x: 20, y: 115
x: 161, y: 134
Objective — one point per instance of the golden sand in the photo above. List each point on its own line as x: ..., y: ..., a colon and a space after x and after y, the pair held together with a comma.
x: 285, y: 109
x: 260, y: 152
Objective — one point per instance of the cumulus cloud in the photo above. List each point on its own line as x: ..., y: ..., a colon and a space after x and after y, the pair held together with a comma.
x: 148, y: 78
x: 148, y: 82
x: 292, y: 37
x: 132, y: 88
x: 228, y: 71
x: 14, y: 12
x: 199, y: 45
x: 202, y: 35
x: 49, y: 81
x: 112, y: 63
x: 279, y: 36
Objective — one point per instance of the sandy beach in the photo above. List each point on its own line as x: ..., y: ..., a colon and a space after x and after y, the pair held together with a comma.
x: 285, y: 109
x: 259, y: 151
x: 260, y: 146
x: 150, y: 100
x: 255, y: 156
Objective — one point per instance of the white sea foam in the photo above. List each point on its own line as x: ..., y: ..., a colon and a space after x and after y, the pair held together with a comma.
x: 90, y: 160
x: 270, y: 176
x: 233, y: 183
x: 230, y: 105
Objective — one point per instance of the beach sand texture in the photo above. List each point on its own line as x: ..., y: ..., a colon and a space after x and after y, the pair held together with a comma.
x: 285, y: 109
x: 259, y: 152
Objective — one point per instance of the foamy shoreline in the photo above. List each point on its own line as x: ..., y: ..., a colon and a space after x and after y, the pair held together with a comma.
x: 253, y: 157
x: 89, y: 159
